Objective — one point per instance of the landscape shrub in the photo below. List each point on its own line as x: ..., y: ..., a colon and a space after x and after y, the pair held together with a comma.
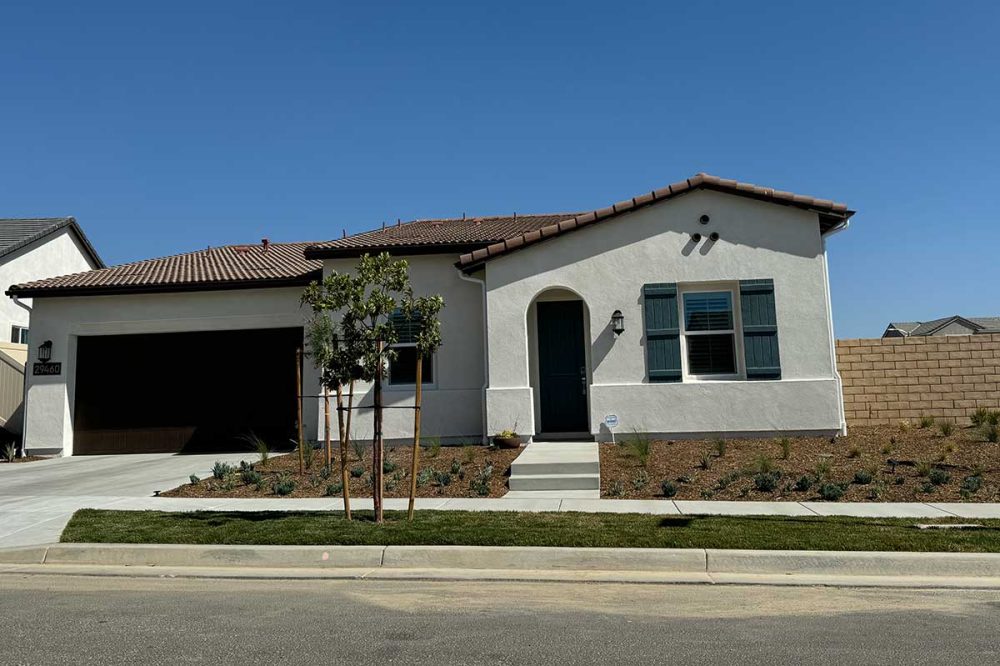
x: 456, y: 467
x: 946, y: 428
x: 938, y: 476
x: 641, y: 480
x: 786, y: 448
x: 250, y: 476
x: 980, y: 416
x: 991, y: 432
x: 972, y: 483
x: 639, y: 446
x: 727, y: 479
x: 324, y: 472
x: 719, y: 446
x: 194, y: 479
x: 334, y: 489
x: 359, y: 448
x: 926, y: 421
x: 668, y: 489
x: 480, y: 484
x: 853, y: 452
x: 388, y: 467
x: 822, y: 470
x: 283, y: 486
x: 764, y: 465
x: 766, y: 481
x: 425, y: 476
x: 616, y: 489
x: 435, y: 447
x: 831, y: 492
x: 358, y: 471
x: 442, y: 478
x: 221, y: 470
x: 804, y: 483
x: 705, y: 462
x: 862, y: 477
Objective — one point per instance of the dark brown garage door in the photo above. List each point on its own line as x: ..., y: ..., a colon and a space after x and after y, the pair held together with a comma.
x: 192, y: 392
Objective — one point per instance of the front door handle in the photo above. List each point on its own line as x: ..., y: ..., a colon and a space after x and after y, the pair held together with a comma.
x: 583, y: 381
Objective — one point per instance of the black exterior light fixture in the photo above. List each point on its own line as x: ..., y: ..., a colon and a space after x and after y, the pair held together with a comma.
x: 617, y: 322
x: 714, y: 236
x: 695, y: 238
x: 704, y: 219
x: 45, y: 351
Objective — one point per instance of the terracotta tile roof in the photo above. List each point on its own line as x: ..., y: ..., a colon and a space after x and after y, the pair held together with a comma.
x: 226, y: 267
x: 830, y: 212
x: 455, y: 234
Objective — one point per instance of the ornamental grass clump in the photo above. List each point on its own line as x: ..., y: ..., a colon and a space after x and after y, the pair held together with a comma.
x: 639, y: 446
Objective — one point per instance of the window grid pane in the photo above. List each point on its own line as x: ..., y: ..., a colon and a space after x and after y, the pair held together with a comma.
x: 708, y: 311
x: 403, y: 369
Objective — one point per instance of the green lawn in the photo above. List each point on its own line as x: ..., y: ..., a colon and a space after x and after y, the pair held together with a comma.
x: 527, y: 529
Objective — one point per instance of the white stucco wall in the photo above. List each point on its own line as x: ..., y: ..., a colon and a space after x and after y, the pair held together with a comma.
x: 452, y: 407
x: 49, y: 400
x: 608, y: 263
x: 59, y: 254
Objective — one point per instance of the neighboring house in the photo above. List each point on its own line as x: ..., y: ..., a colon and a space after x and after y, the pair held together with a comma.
x: 954, y: 325
x: 31, y: 249
x: 699, y: 309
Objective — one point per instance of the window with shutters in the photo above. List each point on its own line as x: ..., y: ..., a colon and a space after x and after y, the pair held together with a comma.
x: 710, y: 334
x: 403, y: 368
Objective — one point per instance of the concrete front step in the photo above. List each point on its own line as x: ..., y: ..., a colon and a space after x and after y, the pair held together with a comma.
x: 543, y: 467
x: 555, y: 482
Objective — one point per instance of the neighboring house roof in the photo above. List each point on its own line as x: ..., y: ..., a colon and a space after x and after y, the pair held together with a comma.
x: 923, y: 328
x: 482, y: 239
x: 226, y: 267
x: 18, y: 233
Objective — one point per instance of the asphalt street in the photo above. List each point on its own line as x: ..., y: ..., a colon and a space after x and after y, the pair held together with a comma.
x: 50, y: 619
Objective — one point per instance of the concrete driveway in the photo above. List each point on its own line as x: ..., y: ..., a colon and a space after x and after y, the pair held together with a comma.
x: 38, y: 498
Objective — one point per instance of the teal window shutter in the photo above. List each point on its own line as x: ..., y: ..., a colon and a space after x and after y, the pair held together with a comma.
x: 663, y: 333
x: 760, y: 329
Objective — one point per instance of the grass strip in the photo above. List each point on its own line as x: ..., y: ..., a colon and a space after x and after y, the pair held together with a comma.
x: 601, y: 530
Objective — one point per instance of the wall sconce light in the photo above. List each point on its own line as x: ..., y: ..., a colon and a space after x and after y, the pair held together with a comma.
x: 714, y: 236
x: 45, y: 351
x: 618, y: 322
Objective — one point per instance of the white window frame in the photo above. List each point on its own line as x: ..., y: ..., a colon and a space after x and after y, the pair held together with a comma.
x: 411, y: 386
x: 736, y: 331
x: 22, y: 331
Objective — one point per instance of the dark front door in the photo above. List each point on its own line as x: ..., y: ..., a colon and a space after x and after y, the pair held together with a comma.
x: 562, y: 367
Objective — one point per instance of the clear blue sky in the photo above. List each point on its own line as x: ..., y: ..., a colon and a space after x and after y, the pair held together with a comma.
x: 165, y: 130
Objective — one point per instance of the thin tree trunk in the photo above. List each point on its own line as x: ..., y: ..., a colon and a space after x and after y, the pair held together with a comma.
x: 298, y: 388
x: 416, y: 438
x: 326, y: 419
x: 345, y: 478
x: 377, y: 442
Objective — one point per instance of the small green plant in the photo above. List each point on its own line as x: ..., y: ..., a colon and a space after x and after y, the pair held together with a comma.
x: 924, y: 468
x: 938, y: 477
x: 786, y: 448
x: 766, y: 481
x: 639, y: 446
x: 993, y: 417
x: 434, y: 448
x: 358, y: 471
x: 991, y: 433
x: 727, y: 479
x: 456, y: 467
x: 707, y: 494
x: 616, y: 489
x: 469, y: 453
x: 359, y: 448
x: 641, y: 480
x: 831, y: 492
x: 10, y: 452
x: 886, y: 449
x: 221, y: 470
x: 284, y: 485
x: 230, y: 481
x: 946, y: 428
x: 822, y: 470
x: 442, y: 479
x: 480, y: 484
x: 804, y: 483
x: 853, y: 452
x: 194, y: 479
x: 899, y: 480
x: 764, y: 465
x: 668, y: 489
x: 862, y: 477
x: 334, y: 489
x: 324, y: 472
x: 926, y: 421
x: 980, y: 416
x: 425, y: 476
x: 259, y: 445
x: 250, y: 476
x: 388, y: 467
x: 972, y: 483
x: 306, y: 450
x: 928, y: 487
x: 876, y: 492
x: 719, y: 446
x: 706, y: 461
x: 905, y: 425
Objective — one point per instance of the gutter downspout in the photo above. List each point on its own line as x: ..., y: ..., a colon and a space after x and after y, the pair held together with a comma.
x: 829, y: 318
x: 486, y: 347
x: 24, y: 384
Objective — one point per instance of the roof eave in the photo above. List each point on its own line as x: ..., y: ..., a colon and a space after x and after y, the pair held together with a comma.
x: 117, y: 290
x: 315, y: 252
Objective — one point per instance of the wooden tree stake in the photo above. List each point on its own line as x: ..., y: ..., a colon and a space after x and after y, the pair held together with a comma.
x: 416, y: 438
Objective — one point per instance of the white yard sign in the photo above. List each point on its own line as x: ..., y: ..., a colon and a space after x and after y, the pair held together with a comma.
x: 611, y: 421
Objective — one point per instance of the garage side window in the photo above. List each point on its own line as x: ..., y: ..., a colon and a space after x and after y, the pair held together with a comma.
x: 403, y: 368
x: 710, y: 334
x: 19, y: 335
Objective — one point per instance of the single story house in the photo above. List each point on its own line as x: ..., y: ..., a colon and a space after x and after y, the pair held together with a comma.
x: 699, y: 309
x: 954, y: 325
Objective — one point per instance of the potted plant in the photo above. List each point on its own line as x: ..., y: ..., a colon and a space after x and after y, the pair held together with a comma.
x: 507, y: 439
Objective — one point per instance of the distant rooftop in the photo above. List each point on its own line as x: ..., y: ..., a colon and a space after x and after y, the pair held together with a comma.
x: 953, y: 325
x: 17, y: 233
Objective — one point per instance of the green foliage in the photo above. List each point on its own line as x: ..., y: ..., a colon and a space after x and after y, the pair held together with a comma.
x: 257, y: 444
x: 766, y: 481
x: 616, y: 489
x: 221, y: 470
x: 924, y: 468
x: 993, y: 418
x: 357, y: 471
x: 668, y: 489
x: 424, y: 477
x: 456, y: 467
x: 831, y: 492
x: 972, y: 483
x: 980, y: 416
x: 283, y: 485
x: 991, y: 433
x: 638, y: 446
x: 822, y: 469
x: 804, y: 483
x: 250, y: 476
x: 359, y: 449
x: 926, y: 421
x: 946, y: 428
x: 10, y: 452
x: 308, y: 453
x: 334, y: 489
x: 194, y: 479
x: 324, y: 472
x: 727, y: 479
x: 938, y: 477
x: 786, y: 448
x: 887, y: 448
x: 862, y: 477
x: 388, y: 467
x: 706, y: 461
x: 434, y: 449
x: 442, y: 479
x: 469, y: 453
x: 480, y: 483
x: 764, y: 465
x: 641, y: 480
x: 719, y: 446
x: 853, y: 452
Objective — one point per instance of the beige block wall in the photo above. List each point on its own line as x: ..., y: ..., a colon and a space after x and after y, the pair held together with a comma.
x: 886, y: 380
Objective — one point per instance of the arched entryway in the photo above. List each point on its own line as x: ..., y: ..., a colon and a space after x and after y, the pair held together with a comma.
x: 559, y: 357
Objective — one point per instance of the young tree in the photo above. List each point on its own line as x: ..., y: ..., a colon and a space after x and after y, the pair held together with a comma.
x: 422, y: 314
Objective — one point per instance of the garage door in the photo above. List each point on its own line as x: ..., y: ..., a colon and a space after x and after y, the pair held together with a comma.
x: 192, y: 392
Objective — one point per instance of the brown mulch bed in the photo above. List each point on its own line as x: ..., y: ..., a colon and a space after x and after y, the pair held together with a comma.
x: 899, y: 459
x: 449, y: 471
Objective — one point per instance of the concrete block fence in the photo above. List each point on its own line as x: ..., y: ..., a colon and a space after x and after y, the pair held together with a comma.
x: 889, y: 379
